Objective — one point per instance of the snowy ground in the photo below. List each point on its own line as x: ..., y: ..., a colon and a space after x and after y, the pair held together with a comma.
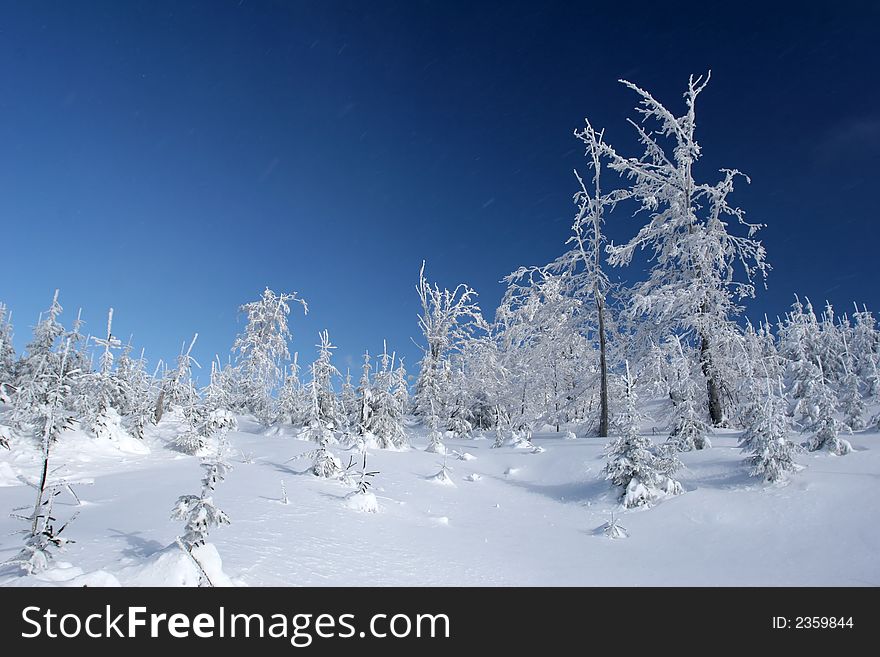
x: 510, y: 517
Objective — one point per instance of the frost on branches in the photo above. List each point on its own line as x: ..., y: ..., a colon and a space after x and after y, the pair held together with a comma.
x: 49, y: 419
x: 689, y: 428
x: 199, y: 512
x: 766, y: 438
x: 177, y: 390
x: 387, y: 404
x: 633, y: 465
x: 261, y: 349
x: 824, y: 423
x: 324, y: 403
x: 448, y: 319
x: 692, y: 288
x: 7, y: 354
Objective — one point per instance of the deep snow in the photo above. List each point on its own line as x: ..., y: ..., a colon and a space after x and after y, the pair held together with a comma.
x: 509, y: 517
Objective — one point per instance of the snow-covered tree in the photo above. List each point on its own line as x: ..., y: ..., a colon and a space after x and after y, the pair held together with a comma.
x: 365, y: 397
x: 362, y: 499
x: 766, y: 435
x: 46, y: 334
x: 693, y: 287
x: 321, y: 386
x: 199, y: 512
x: 822, y: 419
x: 435, y: 435
x: 206, y: 416
x: 294, y: 401
x: 325, y: 463
x: 177, y: 390
x: 546, y: 357
x: 581, y: 266
x: 689, y: 429
x: 348, y: 399
x: 105, y: 388
x: 261, y: 349
x: 401, y: 388
x: 865, y: 350
x: 48, y: 417
x: 386, y: 417
x: 7, y: 354
x: 852, y: 404
x: 633, y: 465
x: 448, y: 318
x: 217, y: 396
x: 138, y: 388
x: 459, y: 406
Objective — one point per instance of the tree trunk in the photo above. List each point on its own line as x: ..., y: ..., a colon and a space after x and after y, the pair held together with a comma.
x: 160, y: 408
x: 716, y: 411
x: 42, y: 487
x: 603, y: 371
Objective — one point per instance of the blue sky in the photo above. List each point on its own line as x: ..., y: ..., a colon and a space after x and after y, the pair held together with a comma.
x: 171, y: 159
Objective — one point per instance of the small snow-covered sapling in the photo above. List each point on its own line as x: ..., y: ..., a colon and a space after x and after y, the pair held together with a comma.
x: 613, y: 529
x: 362, y: 499
x: 363, y: 482
x: 442, y: 476
x: 199, y: 511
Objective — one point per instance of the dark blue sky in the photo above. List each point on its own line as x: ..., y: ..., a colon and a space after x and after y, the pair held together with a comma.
x: 173, y: 158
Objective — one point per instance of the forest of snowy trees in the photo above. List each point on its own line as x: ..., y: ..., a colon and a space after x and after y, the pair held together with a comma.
x: 565, y: 349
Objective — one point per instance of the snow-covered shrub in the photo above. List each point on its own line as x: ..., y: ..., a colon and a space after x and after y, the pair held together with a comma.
x: 633, y: 465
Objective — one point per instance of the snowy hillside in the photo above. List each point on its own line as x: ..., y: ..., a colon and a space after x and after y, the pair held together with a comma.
x: 509, y: 516
x: 583, y: 433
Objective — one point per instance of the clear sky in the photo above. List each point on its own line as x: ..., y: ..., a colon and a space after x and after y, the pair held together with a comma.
x: 172, y: 159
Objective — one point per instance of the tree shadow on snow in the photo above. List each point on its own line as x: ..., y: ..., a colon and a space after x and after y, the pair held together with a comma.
x: 576, y: 491
x: 286, y: 469
x: 138, y: 547
x: 736, y: 478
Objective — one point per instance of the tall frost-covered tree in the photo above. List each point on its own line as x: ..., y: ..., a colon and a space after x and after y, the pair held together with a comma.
x: 447, y: 319
x: 581, y: 267
x: 261, y: 349
x: 701, y: 268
